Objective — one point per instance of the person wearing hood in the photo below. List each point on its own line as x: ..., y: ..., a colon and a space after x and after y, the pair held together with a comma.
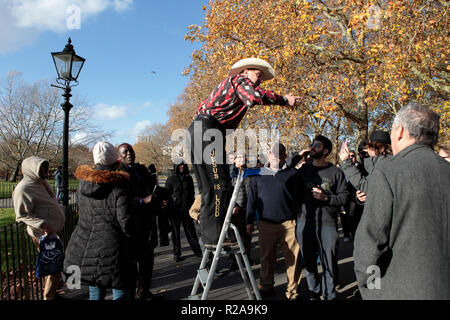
x: 36, y: 206
x: 181, y: 188
x: 102, y: 244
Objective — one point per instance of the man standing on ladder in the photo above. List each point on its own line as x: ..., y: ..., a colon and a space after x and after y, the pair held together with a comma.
x: 223, y: 109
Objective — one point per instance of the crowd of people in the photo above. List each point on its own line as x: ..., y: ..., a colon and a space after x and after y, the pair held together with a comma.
x: 393, y: 204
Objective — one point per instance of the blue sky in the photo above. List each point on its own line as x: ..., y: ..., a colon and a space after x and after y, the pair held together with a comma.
x: 123, y: 41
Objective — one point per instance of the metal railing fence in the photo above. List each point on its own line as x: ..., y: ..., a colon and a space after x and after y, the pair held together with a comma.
x: 18, y: 254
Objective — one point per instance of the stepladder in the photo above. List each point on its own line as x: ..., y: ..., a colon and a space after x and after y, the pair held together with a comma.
x: 205, y: 276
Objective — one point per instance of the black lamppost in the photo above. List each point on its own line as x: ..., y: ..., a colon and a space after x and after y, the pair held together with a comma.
x: 68, y: 65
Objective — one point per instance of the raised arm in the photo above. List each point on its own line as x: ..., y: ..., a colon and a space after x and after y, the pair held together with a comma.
x: 253, y: 95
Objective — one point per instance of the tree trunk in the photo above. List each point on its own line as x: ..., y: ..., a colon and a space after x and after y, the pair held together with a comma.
x: 361, y: 134
x: 14, y: 175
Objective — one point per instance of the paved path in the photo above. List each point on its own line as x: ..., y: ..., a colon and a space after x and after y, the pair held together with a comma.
x: 174, y: 281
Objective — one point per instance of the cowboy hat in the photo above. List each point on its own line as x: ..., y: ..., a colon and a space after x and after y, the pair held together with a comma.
x: 253, y: 63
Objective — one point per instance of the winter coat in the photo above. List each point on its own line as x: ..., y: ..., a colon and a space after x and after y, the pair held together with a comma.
x: 405, y: 228
x: 102, y: 243
x: 357, y: 177
x: 141, y: 185
x: 181, y: 187
x: 35, y: 202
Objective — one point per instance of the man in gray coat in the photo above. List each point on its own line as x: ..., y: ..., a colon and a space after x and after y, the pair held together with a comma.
x: 402, y: 245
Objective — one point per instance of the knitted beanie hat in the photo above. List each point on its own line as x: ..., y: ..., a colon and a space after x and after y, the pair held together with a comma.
x: 104, y: 153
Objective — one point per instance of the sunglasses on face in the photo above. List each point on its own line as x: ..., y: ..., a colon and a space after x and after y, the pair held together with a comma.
x: 315, y: 145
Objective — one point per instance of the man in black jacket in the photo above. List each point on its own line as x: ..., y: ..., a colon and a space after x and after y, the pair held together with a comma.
x: 326, y: 191
x: 140, y: 187
x: 181, y: 188
x: 277, y: 195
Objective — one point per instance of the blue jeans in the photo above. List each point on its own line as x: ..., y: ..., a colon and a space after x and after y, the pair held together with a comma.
x: 320, y: 242
x: 96, y: 293
x: 58, y: 193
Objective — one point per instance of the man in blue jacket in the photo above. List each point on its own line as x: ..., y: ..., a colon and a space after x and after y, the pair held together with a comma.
x: 277, y: 195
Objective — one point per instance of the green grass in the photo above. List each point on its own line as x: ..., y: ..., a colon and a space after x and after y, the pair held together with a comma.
x: 7, y: 217
x: 6, y: 188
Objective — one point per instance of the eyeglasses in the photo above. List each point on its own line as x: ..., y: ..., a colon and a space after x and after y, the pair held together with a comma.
x: 315, y: 145
x: 352, y: 156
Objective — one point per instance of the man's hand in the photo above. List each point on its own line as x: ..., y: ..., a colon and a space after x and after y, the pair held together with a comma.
x: 292, y: 100
x: 344, y: 154
x: 236, y: 210
x: 319, y: 194
x: 304, y: 151
x: 47, y: 229
x: 148, y: 199
x: 250, y: 229
x: 361, y: 196
x: 239, y: 162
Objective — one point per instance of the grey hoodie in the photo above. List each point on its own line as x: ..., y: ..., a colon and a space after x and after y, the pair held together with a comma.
x: 34, y: 201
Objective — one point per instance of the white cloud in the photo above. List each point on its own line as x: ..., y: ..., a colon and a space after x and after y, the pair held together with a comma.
x: 104, y: 111
x: 121, y: 5
x: 79, y: 137
x: 140, y: 127
x: 22, y: 20
x: 147, y: 104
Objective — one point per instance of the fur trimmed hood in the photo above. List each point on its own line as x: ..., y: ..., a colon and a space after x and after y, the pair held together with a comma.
x: 99, y: 183
x: 89, y: 174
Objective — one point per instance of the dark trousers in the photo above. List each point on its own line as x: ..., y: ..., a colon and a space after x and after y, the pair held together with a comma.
x: 319, y: 241
x: 212, y: 174
x: 145, y: 256
x: 357, y: 214
x: 351, y: 219
x: 239, y: 221
x: 346, y: 221
x: 163, y: 228
x: 189, y: 229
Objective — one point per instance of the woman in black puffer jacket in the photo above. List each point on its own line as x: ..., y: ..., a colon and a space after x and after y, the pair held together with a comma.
x: 102, y: 243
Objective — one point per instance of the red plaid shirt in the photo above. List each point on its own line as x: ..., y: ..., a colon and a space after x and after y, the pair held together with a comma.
x: 230, y: 100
